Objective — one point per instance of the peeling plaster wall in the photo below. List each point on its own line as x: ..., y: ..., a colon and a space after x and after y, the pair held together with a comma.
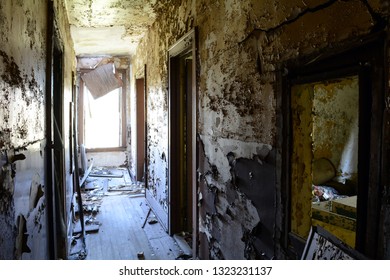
x: 320, y: 27
x: 22, y: 86
x: 23, y: 30
x: 241, y: 47
x: 335, y: 125
x: 173, y: 22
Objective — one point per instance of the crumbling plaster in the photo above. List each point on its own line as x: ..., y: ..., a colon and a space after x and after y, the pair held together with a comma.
x: 242, y: 45
x: 22, y: 68
x: 23, y: 56
x: 121, y: 23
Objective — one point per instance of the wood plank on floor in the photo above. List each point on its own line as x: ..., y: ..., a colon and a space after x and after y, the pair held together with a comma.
x: 121, y: 216
x: 164, y: 246
x: 121, y: 235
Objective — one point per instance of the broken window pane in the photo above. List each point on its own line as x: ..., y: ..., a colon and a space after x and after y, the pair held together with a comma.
x: 102, y: 119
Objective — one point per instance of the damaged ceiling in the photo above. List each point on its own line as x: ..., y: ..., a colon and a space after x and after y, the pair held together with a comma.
x: 109, y: 27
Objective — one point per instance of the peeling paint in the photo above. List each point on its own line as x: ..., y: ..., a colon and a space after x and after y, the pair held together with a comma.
x: 7, y: 212
x: 11, y: 73
x: 23, y: 30
x: 21, y: 243
x: 221, y: 207
x: 237, y: 83
x: 121, y: 23
x: 335, y: 101
x: 256, y: 179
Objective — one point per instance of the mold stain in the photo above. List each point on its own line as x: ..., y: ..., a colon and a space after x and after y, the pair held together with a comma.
x: 13, y: 77
x: 6, y: 188
x: 241, y: 96
x: 3, y: 24
x: 11, y: 74
x: 30, y: 30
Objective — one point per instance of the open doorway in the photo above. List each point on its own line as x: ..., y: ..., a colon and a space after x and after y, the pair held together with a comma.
x: 331, y: 148
x: 55, y: 147
x: 141, y: 126
x: 324, y: 164
x: 182, y: 214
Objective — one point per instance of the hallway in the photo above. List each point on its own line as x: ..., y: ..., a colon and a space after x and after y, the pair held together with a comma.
x: 245, y: 121
x: 117, y: 225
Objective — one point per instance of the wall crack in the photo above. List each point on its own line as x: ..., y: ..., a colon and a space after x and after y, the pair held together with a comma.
x: 380, y: 22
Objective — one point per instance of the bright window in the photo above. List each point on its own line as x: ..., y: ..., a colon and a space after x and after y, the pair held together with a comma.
x: 103, y: 119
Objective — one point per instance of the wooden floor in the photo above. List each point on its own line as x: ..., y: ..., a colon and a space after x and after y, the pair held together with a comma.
x: 120, y: 236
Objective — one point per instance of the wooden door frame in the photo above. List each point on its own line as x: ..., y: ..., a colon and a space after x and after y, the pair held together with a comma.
x: 187, y: 44
x: 365, y: 59
x: 123, y: 120
x: 54, y: 132
x: 140, y: 134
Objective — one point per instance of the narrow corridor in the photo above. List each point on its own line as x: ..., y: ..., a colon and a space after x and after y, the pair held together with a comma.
x: 244, y: 119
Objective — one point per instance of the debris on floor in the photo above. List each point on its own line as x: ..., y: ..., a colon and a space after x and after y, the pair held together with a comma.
x: 141, y: 255
x: 184, y: 257
x: 101, y: 181
x: 184, y: 240
x: 134, y: 189
x: 107, y: 172
x: 88, y: 228
x: 152, y: 221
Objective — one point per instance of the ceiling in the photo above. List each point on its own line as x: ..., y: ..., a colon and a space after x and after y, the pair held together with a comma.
x: 109, y: 27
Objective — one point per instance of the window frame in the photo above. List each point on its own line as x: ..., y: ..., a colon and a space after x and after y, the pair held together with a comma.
x: 81, y: 119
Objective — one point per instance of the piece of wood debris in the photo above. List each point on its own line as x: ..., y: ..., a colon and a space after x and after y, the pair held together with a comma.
x: 88, y: 228
x: 141, y: 255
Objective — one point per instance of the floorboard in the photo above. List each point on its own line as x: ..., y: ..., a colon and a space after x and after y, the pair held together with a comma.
x: 120, y: 216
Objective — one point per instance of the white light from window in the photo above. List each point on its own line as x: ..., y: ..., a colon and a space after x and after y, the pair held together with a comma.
x: 102, y: 120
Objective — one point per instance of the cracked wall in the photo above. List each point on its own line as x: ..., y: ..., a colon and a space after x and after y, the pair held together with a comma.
x: 23, y: 29
x: 242, y: 45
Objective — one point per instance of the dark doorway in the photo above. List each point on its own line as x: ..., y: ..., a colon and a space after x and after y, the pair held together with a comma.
x: 59, y: 147
x: 182, y: 138
x: 305, y: 120
x: 140, y: 89
x: 55, y: 154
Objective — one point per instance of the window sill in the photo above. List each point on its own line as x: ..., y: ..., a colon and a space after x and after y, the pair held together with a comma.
x: 104, y: 150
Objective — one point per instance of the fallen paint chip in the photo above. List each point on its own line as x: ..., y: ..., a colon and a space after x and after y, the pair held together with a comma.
x: 184, y: 257
x: 141, y: 255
